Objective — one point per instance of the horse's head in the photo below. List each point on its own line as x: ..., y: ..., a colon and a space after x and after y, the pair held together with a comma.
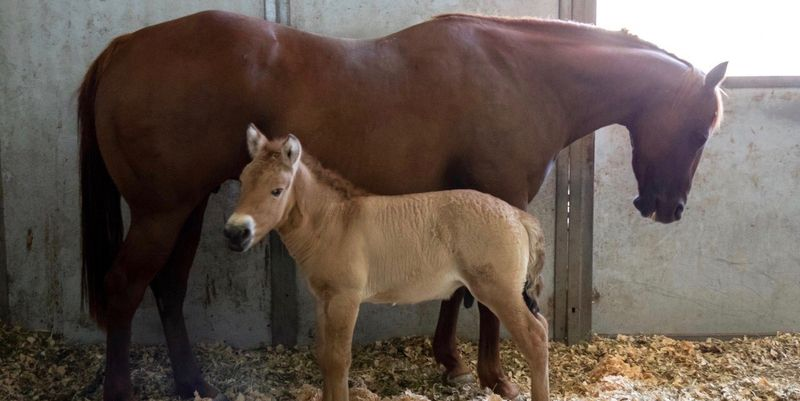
x: 266, y: 194
x: 668, y: 136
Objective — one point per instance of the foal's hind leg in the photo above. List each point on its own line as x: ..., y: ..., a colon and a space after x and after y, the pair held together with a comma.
x: 169, y: 288
x: 146, y: 248
x: 502, y: 181
x: 529, y: 332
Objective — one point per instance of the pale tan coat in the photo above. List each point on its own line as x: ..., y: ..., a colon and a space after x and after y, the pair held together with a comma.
x: 353, y: 247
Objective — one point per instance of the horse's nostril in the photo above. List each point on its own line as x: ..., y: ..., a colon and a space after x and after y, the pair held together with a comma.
x: 678, y: 211
x: 246, y: 233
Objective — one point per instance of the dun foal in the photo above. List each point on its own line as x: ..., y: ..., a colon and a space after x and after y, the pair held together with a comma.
x: 353, y: 247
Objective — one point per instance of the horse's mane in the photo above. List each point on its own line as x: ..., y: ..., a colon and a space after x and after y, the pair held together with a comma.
x: 332, y: 179
x: 618, y: 38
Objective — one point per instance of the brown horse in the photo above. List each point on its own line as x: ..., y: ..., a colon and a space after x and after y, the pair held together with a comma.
x: 456, y: 102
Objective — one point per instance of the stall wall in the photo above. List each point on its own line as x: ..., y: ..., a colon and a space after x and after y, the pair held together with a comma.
x: 732, y: 264
x: 45, y: 48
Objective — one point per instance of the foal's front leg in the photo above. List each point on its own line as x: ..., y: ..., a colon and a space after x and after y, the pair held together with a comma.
x: 336, y: 319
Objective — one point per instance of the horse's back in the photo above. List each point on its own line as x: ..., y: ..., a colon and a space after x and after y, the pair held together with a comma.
x: 429, y: 108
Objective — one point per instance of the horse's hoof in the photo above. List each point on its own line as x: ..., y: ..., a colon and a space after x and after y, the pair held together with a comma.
x: 459, y: 380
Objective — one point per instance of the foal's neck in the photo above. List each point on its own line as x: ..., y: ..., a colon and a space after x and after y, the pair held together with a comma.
x: 317, y: 202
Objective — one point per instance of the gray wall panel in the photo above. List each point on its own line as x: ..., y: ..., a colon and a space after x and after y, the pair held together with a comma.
x: 46, y: 48
x: 730, y: 266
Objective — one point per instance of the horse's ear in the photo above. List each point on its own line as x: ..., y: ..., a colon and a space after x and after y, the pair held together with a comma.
x: 291, y: 151
x: 716, y: 75
x: 255, y: 140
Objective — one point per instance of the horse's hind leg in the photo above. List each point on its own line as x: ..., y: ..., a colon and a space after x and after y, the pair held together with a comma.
x: 169, y: 288
x: 445, y: 343
x: 144, y: 252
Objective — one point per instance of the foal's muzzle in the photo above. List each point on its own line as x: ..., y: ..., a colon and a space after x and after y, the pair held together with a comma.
x: 239, y: 232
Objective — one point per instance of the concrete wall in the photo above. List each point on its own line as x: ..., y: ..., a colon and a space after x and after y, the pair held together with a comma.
x: 731, y: 266
x: 45, y: 48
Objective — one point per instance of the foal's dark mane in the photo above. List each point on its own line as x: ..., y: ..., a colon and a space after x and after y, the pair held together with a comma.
x: 618, y: 38
x: 332, y: 179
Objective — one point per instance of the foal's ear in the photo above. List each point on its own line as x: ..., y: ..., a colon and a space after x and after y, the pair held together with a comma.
x: 716, y: 75
x: 291, y: 151
x: 255, y: 140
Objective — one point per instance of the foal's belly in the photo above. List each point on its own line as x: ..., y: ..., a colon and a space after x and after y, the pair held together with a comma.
x: 402, y: 289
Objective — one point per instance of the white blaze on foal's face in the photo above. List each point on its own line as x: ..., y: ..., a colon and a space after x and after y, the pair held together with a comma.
x: 266, y: 188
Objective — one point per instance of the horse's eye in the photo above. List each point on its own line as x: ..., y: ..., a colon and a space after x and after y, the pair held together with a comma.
x: 277, y: 192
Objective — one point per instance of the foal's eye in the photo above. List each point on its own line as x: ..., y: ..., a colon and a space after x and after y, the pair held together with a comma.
x: 277, y: 192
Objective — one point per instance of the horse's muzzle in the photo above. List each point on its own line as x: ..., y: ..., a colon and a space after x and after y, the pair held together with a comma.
x: 660, y: 210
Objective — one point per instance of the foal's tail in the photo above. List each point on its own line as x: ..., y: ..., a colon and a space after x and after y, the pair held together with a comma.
x: 533, y: 285
x: 101, y: 217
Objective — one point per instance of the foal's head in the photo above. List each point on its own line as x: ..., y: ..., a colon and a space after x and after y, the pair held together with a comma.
x: 668, y: 137
x: 266, y: 192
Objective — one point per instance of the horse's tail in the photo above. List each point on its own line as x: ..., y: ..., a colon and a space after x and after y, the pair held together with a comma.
x: 533, y: 285
x: 101, y: 217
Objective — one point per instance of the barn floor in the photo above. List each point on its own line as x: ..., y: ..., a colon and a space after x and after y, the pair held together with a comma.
x: 40, y: 366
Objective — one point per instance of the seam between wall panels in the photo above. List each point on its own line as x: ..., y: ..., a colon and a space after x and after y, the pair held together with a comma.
x: 4, y: 295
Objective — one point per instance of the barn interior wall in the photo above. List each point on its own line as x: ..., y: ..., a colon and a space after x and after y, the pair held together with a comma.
x: 730, y: 266
x: 46, y: 48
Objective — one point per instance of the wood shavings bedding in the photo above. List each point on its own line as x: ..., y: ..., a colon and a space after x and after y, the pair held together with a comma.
x: 41, y: 366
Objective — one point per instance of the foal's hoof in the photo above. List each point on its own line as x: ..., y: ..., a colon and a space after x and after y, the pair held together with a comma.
x: 459, y: 380
x: 508, y: 390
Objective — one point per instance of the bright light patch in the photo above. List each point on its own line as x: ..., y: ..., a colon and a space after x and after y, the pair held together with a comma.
x: 759, y: 38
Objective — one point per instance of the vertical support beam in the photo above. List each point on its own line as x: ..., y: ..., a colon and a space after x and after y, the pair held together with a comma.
x: 574, y: 220
x: 284, y: 310
x: 278, y: 11
x: 581, y: 219
x: 284, y: 306
x: 561, y: 261
x: 5, y: 314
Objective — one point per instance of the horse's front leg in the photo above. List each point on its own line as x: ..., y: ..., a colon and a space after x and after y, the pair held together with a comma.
x: 336, y: 319
x: 490, y: 368
x: 169, y: 288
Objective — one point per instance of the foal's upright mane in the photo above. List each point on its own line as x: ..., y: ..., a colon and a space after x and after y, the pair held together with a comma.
x: 332, y: 179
